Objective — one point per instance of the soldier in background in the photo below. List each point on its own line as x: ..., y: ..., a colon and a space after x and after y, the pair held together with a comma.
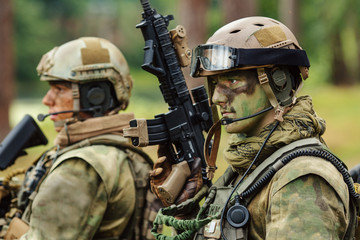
x: 93, y: 184
x: 282, y: 182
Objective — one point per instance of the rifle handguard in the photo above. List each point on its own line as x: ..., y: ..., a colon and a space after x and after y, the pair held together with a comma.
x: 174, y: 183
x: 138, y: 132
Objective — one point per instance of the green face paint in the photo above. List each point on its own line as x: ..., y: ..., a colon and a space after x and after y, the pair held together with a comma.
x: 238, y: 95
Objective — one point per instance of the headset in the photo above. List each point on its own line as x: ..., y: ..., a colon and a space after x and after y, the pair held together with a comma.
x: 99, y: 96
x: 283, y: 82
x: 95, y: 97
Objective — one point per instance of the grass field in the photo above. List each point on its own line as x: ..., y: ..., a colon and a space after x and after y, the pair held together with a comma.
x: 339, y: 106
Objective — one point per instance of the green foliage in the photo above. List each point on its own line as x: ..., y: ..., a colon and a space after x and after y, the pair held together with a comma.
x: 64, y: 8
x: 34, y: 36
x: 268, y: 8
x: 42, y: 24
x: 320, y: 29
x: 214, y: 18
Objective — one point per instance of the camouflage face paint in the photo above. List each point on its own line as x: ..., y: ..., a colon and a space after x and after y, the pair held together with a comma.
x: 238, y: 94
x: 233, y: 83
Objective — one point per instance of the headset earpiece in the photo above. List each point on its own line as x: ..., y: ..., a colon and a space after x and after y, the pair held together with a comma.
x: 99, y: 96
x: 281, y: 82
x: 279, y: 76
x: 96, y: 95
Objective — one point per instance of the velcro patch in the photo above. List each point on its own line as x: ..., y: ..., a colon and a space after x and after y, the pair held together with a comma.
x: 270, y: 35
x: 94, y: 53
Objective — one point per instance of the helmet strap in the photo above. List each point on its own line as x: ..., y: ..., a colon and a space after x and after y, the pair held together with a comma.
x: 76, y: 99
x: 264, y: 82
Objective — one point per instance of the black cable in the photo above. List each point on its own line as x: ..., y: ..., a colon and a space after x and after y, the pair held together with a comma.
x: 226, y: 121
x: 307, y: 152
x: 242, y: 178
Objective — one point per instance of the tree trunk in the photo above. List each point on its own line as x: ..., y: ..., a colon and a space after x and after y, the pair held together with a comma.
x: 193, y: 18
x: 6, y: 65
x: 341, y: 75
x: 289, y: 15
x: 235, y: 9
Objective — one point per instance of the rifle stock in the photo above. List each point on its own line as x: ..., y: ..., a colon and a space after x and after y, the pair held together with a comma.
x: 185, y: 123
x: 24, y: 135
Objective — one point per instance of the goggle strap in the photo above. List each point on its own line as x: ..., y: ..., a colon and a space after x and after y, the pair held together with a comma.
x: 276, y: 56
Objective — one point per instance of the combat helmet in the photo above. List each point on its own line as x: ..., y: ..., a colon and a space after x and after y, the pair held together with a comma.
x: 259, y: 43
x: 97, y: 70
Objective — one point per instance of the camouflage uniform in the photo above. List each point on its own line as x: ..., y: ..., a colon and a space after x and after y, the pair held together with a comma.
x: 307, y: 199
x: 89, y: 190
x: 86, y: 189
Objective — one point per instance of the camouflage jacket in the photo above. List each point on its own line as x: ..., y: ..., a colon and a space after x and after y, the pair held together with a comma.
x: 78, y: 197
x: 305, y: 199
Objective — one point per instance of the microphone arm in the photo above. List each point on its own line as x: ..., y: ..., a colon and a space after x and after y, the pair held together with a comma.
x: 226, y: 121
x: 41, y: 117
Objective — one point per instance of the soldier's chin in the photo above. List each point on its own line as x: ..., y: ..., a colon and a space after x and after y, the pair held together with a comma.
x: 231, y: 128
x: 238, y: 127
x: 58, y: 129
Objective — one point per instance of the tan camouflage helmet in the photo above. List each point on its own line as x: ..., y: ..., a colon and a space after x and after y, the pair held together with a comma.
x: 84, y: 60
x: 252, y: 43
x: 252, y: 33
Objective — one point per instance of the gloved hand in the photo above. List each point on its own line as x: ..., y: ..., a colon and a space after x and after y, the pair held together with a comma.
x: 193, y: 183
x: 163, y: 172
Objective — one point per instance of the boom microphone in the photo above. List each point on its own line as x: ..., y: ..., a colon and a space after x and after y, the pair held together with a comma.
x: 226, y: 121
x: 41, y: 117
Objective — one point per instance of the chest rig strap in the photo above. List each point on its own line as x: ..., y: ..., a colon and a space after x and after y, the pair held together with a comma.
x: 271, y: 164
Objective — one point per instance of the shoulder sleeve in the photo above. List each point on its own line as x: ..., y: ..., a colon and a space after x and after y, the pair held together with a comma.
x: 105, y: 160
x: 308, y: 200
x: 69, y: 203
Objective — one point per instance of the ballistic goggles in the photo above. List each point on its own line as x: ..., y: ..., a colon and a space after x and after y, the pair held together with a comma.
x: 219, y: 58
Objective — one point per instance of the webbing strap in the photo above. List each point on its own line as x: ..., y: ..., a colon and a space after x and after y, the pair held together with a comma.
x: 257, y: 173
x: 210, y: 159
x: 110, y: 140
x: 264, y: 82
x: 76, y: 98
x: 277, y: 56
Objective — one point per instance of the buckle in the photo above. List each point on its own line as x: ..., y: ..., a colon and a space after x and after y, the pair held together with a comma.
x: 262, y: 76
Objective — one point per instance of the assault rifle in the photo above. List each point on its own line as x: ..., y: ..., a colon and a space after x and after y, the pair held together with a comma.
x: 182, y: 127
x: 24, y: 135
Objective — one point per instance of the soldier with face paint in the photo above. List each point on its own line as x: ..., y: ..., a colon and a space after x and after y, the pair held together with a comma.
x: 282, y: 181
x: 238, y: 94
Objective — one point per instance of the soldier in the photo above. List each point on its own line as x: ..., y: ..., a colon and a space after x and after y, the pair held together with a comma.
x: 282, y: 182
x: 93, y: 183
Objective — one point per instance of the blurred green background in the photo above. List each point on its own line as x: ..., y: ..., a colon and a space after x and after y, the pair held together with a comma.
x: 327, y: 30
